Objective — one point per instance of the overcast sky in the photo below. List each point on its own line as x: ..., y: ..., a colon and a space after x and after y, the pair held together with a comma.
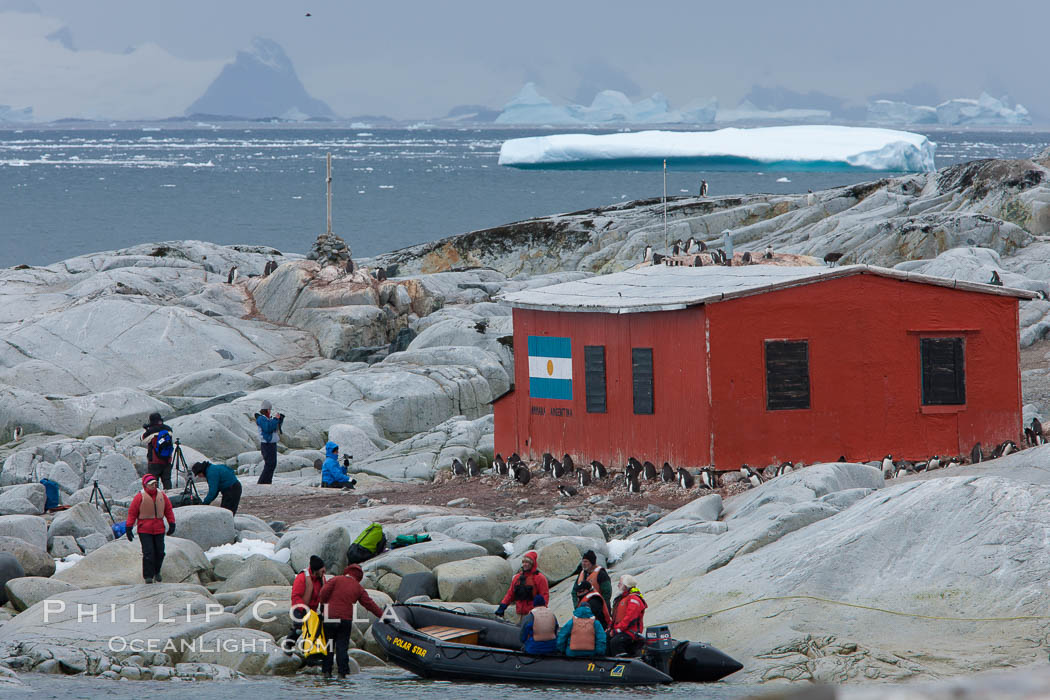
x: 418, y: 59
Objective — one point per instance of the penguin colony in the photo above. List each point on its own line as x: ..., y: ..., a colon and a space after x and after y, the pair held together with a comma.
x: 636, y: 472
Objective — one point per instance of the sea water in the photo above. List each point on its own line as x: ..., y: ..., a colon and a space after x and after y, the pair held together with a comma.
x: 69, y: 191
x: 392, y: 684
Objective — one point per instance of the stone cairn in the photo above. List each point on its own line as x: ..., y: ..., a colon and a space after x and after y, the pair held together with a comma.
x: 330, y: 249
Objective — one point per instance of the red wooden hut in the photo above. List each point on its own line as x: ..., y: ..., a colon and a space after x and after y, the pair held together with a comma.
x: 761, y: 364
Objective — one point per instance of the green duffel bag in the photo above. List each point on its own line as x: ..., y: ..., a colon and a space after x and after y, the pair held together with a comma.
x: 405, y: 540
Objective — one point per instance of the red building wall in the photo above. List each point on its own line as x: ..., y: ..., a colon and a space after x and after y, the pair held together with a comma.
x: 865, y: 373
x: 865, y: 378
x: 677, y: 431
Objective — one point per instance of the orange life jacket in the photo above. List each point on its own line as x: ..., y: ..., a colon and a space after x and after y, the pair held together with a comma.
x: 606, y: 618
x: 582, y: 636
x: 544, y: 625
x: 592, y: 576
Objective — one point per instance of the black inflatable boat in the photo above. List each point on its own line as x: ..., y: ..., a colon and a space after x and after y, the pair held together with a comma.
x: 445, y: 644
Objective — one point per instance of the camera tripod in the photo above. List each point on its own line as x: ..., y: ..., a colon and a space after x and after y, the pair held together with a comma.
x: 99, y: 500
x: 179, y: 466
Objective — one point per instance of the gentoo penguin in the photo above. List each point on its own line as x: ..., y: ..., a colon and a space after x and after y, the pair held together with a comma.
x: 522, y: 474
x: 632, y: 483
x: 887, y: 467
x: 598, y: 470
x: 703, y: 246
x: 381, y: 274
x: 954, y: 462
x: 657, y: 258
x: 934, y: 463
x: 708, y: 477
x: 557, y: 469
x: 768, y: 255
x: 975, y: 454
x: 690, y: 246
x: 346, y: 461
x: 785, y: 468
x: 18, y: 433
x: 515, y: 458
x: 232, y: 276
x: 746, y: 258
x: 566, y: 491
x: 457, y: 468
x: 667, y: 473
x: 1037, y: 430
x: 842, y: 458
x: 472, y: 467
x: 567, y: 462
x: 649, y: 471
x: 1007, y: 447
x: 634, y: 463
x: 996, y: 280
x: 703, y: 188
x: 832, y: 259
x: 685, y: 479
x: 349, y: 266
x: 676, y: 249
x: 499, y: 465
x: 751, y: 475
x: 904, y: 467
x: 648, y: 256
x: 271, y: 265
x: 1029, y: 437
x: 583, y: 477
x: 548, y: 458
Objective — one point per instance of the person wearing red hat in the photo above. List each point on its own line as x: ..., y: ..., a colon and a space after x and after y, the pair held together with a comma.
x: 150, y: 507
x: 524, y: 587
x: 338, y: 598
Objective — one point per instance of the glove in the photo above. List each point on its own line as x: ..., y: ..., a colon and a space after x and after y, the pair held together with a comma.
x: 130, y: 536
x: 501, y: 609
x: 171, y: 529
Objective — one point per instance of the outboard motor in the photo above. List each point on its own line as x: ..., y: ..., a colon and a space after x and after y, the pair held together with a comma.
x: 659, y: 648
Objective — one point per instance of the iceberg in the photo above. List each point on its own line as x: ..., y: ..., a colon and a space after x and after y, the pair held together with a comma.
x: 961, y: 111
x: 900, y: 113
x: 777, y: 148
x: 748, y: 112
x: 608, y: 107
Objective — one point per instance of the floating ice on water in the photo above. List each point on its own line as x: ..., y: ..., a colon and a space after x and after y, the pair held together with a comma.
x: 247, y: 548
x: 617, y: 548
x: 793, y: 148
x: 783, y: 179
x: 209, y: 164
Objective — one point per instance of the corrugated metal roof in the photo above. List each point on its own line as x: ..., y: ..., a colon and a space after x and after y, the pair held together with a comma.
x: 665, y: 288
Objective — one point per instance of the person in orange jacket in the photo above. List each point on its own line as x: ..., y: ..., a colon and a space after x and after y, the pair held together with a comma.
x: 149, y: 508
x: 628, y: 630
x: 524, y: 587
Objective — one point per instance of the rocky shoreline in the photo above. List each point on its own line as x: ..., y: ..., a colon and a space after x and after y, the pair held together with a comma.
x: 400, y: 367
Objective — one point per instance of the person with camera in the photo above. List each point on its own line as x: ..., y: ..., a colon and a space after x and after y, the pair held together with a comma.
x: 269, y: 429
x: 221, y: 480
x: 160, y: 446
x: 150, y: 508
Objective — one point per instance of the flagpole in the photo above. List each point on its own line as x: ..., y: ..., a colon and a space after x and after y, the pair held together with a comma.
x: 665, y: 205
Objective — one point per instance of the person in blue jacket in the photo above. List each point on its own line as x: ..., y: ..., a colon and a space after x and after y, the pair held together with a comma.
x: 539, y: 629
x: 333, y: 474
x: 269, y: 430
x: 221, y: 480
x: 583, y: 636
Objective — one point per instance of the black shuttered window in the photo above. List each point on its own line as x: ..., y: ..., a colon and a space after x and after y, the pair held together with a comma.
x: 787, y: 374
x: 594, y: 374
x: 943, y: 371
x: 642, y: 371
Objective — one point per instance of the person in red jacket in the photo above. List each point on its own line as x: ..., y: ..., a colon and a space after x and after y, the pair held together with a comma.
x: 524, y: 587
x: 337, y: 603
x: 306, y: 593
x: 150, y: 508
x: 628, y: 631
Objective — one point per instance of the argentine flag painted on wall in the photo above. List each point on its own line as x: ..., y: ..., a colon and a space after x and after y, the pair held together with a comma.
x: 550, y: 368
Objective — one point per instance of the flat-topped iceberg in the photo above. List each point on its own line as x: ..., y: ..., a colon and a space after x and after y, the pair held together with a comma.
x: 785, y: 148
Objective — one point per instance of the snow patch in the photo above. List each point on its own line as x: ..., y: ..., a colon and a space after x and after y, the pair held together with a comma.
x: 67, y: 561
x: 248, y: 547
x: 508, y: 547
x: 617, y: 548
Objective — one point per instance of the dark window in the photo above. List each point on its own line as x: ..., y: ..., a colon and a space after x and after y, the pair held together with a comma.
x: 787, y: 374
x: 943, y: 371
x: 642, y: 370
x: 594, y: 374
